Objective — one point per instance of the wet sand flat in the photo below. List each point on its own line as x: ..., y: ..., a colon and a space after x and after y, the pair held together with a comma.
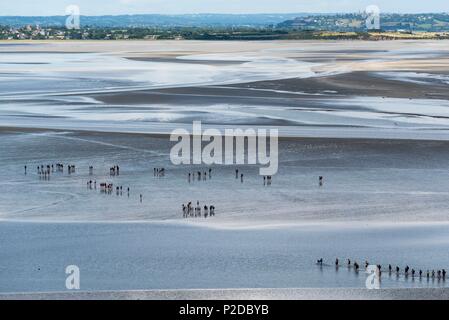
x: 365, y: 180
x: 372, y: 118
x: 283, y: 92
x: 258, y: 83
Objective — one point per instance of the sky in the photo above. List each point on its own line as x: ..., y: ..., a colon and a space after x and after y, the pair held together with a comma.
x: 114, y: 7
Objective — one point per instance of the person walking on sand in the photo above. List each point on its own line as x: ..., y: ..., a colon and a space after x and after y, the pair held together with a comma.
x: 236, y: 173
x: 141, y: 198
x: 197, y: 209
x: 320, y: 181
x: 189, y: 209
x: 349, y: 262
x: 241, y: 178
x: 206, y: 212
x: 336, y: 262
x: 397, y: 270
x: 443, y: 272
x: 25, y: 169
x: 390, y: 268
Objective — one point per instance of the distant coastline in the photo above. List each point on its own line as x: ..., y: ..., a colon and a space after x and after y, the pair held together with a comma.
x: 226, y: 35
x: 292, y: 26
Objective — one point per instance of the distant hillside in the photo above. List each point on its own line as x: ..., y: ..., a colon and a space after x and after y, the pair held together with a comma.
x: 157, y: 20
x: 430, y: 22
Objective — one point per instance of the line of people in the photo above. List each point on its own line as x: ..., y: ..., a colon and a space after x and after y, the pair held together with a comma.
x: 439, y: 274
x: 188, y: 211
x: 44, y: 171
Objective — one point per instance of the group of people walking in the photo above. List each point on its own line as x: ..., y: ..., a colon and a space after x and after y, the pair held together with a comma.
x: 237, y: 175
x: 199, y: 175
x: 407, y: 271
x: 45, y: 171
x: 267, y: 180
x: 188, y: 211
x: 114, y: 171
x: 439, y: 274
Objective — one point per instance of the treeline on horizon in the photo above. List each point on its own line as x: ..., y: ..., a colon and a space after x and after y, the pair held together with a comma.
x: 346, y: 22
x: 211, y: 34
x: 214, y: 27
x: 356, y: 22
